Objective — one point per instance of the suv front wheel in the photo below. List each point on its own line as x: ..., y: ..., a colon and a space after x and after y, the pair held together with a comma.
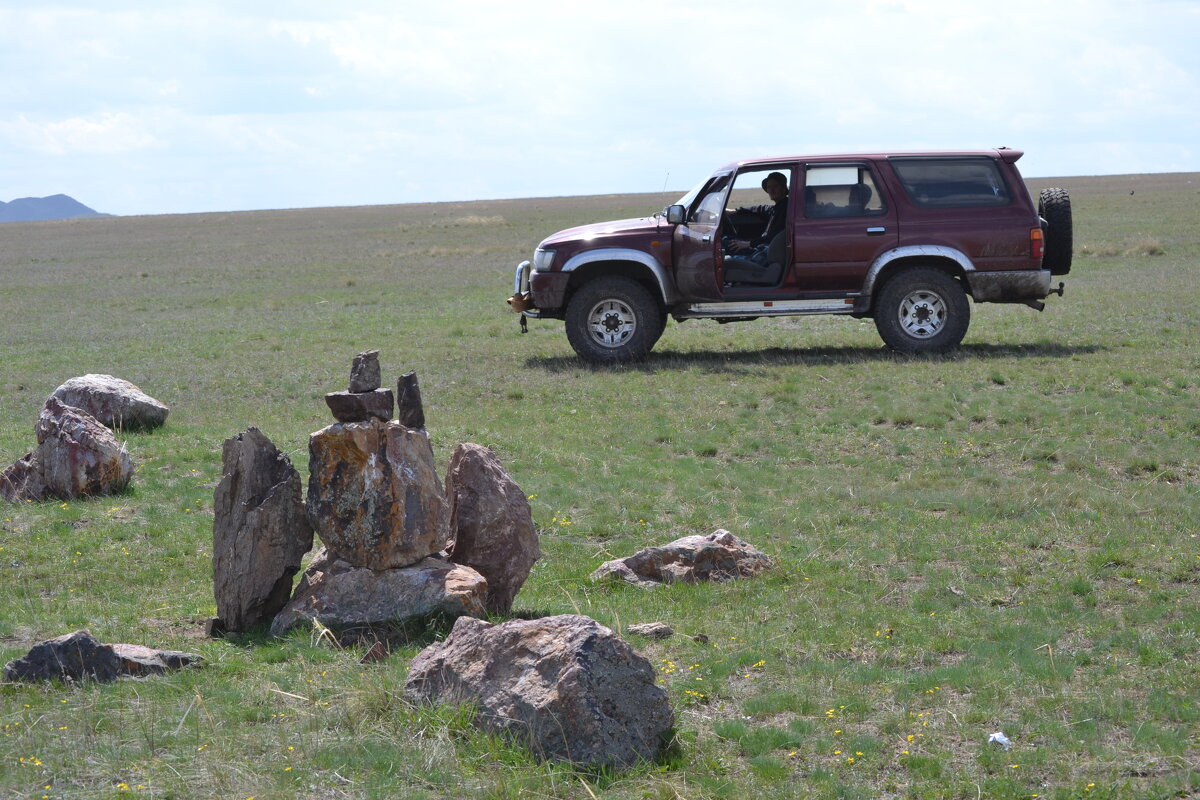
x: 922, y: 310
x: 613, y: 320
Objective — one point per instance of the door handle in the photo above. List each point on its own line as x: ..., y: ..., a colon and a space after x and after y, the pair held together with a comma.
x: 876, y: 231
x: 707, y: 238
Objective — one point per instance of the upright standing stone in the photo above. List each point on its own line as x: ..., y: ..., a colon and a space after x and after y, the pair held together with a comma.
x: 411, y: 411
x: 567, y: 686
x: 261, y: 532
x: 491, y: 523
x: 374, y: 495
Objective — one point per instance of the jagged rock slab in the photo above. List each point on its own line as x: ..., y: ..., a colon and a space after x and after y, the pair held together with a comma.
x: 491, y: 523
x: 260, y: 532
x: 718, y: 556
x: 79, y: 656
x: 115, y: 402
x: 361, y: 406
x: 341, y: 596
x: 77, y: 456
x: 568, y: 687
x: 374, y: 495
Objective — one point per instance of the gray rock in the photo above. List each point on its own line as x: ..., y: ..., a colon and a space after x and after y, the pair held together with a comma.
x: 652, y: 630
x: 374, y: 495
x: 22, y: 481
x: 260, y: 531
x: 567, y: 686
x: 410, y: 410
x: 364, y: 372
x: 718, y: 556
x: 491, y: 523
x: 115, y: 402
x: 78, y: 656
x: 344, y: 597
x: 76, y: 456
x: 361, y: 406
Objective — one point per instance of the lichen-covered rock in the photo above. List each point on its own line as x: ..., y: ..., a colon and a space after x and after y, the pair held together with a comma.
x: 491, y: 524
x: 718, y: 556
x: 374, y: 495
x: 260, y: 531
x: 344, y: 597
x: 76, y: 456
x: 567, y: 686
x: 78, y: 656
x: 115, y: 402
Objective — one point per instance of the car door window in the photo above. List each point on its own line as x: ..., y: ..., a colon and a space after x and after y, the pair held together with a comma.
x: 842, y: 190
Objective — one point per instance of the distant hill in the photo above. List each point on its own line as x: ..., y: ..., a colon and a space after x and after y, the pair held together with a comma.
x: 34, y: 209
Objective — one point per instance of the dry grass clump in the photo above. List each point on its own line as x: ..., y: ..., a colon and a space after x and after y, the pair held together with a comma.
x: 1143, y: 247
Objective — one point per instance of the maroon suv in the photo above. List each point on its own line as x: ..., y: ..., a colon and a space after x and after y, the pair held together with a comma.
x: 903, y: 238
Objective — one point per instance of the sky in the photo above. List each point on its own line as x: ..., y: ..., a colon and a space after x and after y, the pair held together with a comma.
x: 162, y: 107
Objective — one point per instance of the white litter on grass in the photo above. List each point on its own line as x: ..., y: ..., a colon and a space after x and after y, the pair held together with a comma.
x: 999, y: 738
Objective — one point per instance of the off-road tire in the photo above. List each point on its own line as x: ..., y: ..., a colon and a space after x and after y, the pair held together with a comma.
x: 1054, y: 206
x: 922, y: 310
x: 613, y: 320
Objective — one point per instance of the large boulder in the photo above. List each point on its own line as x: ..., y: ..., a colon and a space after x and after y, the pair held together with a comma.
x: 566, y: 685
x: 76, y: 456
x: 260, y: 532
x: 491, y: 524
x: 345, y: 597
x: 115, y: 402
x: 79, y: 655
x: 718, y: 556
x: 374, y: 495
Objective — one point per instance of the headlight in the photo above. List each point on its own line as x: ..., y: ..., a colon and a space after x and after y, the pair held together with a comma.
x: 542, y: 259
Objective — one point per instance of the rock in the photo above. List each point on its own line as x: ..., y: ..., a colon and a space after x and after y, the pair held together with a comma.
x: 718, y: 556
x: 652, y: 630
x: 361, y: 406
x: 115, y: 402
x: 76, y: 456
x: 260, y: 532
x: 22, y: 481
x: 374, y: 496
x: 79, y: 655
x: 344, y: 597
x: 567, y: 686
x: 491, y: 524
x: 364, y: 372
x: 410, y: 410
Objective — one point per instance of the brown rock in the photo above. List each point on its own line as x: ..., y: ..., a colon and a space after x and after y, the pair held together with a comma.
x: 374, y: 496
x: 361, y: 406
x: 344, y: 597
x: 260, y: 532
x: 567, y: 686
x: 79, y: 655
x: 114, y: 402
x: 22, y: 481
x: 652, y: 630
x: 364, y: 372
x: 410, y: 410
x: 491, y: 523
x: 718, y: 556
x: 76, y: 456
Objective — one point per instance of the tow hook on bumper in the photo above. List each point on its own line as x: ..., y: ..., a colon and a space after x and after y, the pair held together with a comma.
x: 522, y: 299
x: 1038, y: 305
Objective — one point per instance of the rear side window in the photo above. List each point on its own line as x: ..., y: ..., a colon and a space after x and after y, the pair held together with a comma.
x: 952, y: 182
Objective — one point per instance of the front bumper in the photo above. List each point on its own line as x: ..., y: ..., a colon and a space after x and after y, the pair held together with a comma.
x: 538, y: 294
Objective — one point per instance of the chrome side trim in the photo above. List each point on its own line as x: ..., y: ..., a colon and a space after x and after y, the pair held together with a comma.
x: 910, y: 251
x: 764, y: 308
x: 666, y: 286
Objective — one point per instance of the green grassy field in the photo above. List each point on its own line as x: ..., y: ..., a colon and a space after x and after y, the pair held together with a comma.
x: 1003, y: 539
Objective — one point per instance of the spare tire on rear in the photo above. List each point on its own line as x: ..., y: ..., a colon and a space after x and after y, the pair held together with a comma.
x: 1054, y: 207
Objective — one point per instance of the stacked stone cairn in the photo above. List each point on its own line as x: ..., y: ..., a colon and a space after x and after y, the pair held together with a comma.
x: 399, y: 546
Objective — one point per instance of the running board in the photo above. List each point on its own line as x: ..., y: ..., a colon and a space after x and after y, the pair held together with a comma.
x: 765, y: 308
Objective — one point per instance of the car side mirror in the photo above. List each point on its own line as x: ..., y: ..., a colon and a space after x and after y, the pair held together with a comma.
x: 675, y: 214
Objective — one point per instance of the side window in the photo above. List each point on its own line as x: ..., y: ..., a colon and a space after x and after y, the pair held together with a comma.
x: 952, y: 182
x: 841, y: 190
x: 712, y: 202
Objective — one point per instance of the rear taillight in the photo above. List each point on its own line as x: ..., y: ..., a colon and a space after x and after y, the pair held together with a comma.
x: 1037, y: 244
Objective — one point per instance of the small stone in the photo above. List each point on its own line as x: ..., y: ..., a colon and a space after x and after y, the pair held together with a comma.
x: 361, y: 406
x: 718, y: 556
x: 411, y: 411
x: 652, y: 630
x: 364, y: 373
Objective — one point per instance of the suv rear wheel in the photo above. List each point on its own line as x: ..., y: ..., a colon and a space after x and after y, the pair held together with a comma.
x: 922, y: 310
x: 613, y: 320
